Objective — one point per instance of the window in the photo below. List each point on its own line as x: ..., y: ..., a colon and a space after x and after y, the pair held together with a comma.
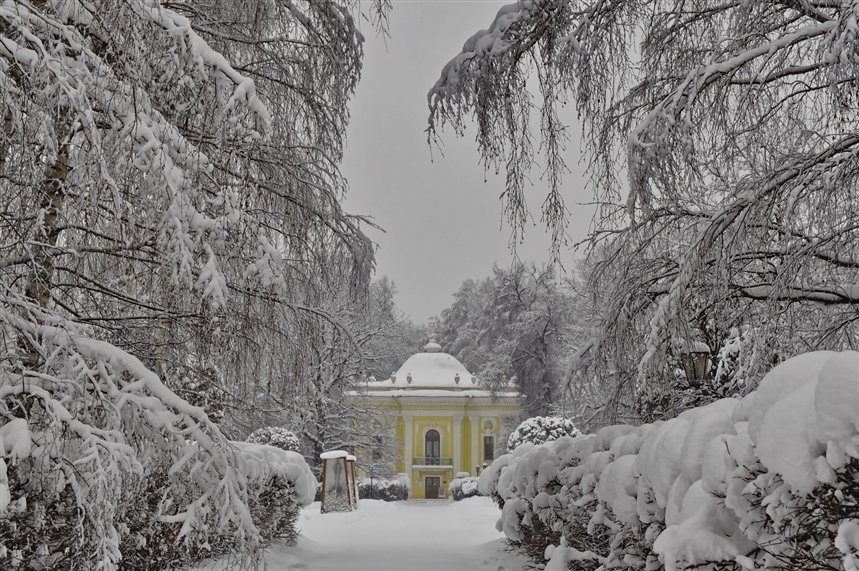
x: 488, y: 448
x: 432, y: 447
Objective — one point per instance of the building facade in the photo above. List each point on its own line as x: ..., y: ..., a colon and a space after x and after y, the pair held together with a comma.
x: 439, y: 419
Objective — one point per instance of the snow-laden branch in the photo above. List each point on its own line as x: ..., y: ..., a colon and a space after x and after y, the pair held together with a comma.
x: 177, y: 25
x: 711, y: 133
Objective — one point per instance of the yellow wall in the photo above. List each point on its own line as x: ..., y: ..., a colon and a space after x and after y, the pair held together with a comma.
x: 442, y: 419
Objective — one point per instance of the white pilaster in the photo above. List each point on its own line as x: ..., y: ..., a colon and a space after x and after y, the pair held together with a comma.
x: 456, y: 450
x: 407, y: 461
x: 475, y: 431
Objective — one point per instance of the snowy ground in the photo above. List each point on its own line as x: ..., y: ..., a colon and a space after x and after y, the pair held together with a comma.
x: 389, y: 536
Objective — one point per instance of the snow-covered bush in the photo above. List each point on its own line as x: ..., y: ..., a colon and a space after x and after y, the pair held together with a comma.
x: 463, y: 486
x: 536, y: 488
x: 276, y: 436
x: 763, y: 482
x: 540, y: 429
x: 281, y: 483
x: 385, y: 489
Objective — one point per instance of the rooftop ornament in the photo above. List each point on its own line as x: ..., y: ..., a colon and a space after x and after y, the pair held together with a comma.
x: 432, y: 346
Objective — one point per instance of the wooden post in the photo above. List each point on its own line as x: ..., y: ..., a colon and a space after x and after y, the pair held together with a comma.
x: 352, y: 473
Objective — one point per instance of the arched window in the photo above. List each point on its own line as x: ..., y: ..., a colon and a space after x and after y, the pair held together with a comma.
x: 432, y: 447
x: 488, y: 448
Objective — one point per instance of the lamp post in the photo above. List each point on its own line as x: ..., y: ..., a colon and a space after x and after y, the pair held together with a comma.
x: 374, y: 460
x: 695, y: 359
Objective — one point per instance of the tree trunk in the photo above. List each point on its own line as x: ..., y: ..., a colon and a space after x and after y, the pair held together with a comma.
x: 6, y: 140
x: 46, y: 236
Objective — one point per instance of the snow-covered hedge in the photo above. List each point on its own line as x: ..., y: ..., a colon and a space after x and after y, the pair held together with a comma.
x: 463, y: 486
x: 765, y: 482
x: 281, y: 483
x: 275, y: 436
x: 386, y: 489
x: 541, y: 429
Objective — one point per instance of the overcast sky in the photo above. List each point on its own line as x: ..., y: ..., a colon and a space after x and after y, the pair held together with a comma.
x: 441, y: 214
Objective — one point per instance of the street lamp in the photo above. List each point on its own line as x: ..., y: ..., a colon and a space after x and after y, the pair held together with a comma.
x: 695, y: 359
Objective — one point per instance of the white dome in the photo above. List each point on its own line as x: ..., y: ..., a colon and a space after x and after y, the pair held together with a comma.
x: 433, y: 370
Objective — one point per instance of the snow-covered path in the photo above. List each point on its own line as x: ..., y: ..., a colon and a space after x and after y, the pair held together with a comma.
x: 413, y: 536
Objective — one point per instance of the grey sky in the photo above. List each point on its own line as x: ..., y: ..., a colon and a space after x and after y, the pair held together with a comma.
x: 443, y: 223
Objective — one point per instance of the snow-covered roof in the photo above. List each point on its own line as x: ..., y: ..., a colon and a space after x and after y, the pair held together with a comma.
x: 429, y: 369
x: 429, y: 373
x: 442, y: 393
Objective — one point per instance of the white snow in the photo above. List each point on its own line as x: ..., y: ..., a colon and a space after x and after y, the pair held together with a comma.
x: 15, y: 439
x: 783, y: 379
x: 785, y: 438
x: 392, y: 536
x: 847, y: 542
x: 836, y: 399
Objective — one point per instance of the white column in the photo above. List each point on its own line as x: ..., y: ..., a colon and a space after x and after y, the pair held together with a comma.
x: 475, y: 431
x: 456, y: 449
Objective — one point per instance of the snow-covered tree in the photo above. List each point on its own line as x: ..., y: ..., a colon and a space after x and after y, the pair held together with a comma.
x: 276, y: 436
x: 541, y: 429
x: 295, y: 367
x: 516, y: 324
x: 389, y: 337
x: 168, y: 184
x: 721, y: 144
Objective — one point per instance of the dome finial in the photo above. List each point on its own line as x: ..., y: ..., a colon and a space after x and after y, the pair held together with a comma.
x: 432, y: 346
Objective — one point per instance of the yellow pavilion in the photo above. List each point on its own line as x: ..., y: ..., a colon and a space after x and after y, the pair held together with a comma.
x: 439, y: 419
